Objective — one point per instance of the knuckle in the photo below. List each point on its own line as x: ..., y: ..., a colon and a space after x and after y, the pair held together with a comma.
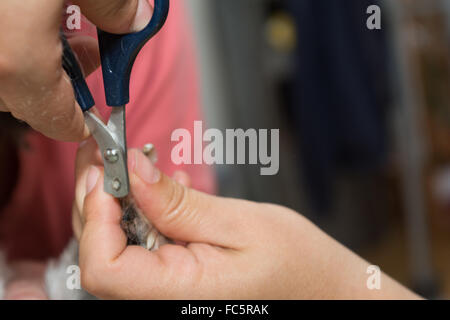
x: 177, y: 208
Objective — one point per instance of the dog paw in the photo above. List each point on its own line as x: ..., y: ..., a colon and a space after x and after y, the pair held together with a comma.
x: 138, y: 229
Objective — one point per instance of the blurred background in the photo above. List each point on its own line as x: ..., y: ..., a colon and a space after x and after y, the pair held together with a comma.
x: 364, y: 119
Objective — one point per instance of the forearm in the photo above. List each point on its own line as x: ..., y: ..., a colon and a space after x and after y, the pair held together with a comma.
x: 334, y: 272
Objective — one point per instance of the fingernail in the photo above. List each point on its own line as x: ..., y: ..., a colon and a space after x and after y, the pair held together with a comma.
x: 144, y: 169
x: 143, y: 15
x: 92, y: 179
x: 83, y: 143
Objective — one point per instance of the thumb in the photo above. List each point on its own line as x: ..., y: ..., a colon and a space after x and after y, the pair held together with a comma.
x: 184, y: 214
x: 117, y: 16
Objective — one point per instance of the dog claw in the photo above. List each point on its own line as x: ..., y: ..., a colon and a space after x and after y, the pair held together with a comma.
x: 139, y: 230
x: 150, y: 151
x: 151, y: 239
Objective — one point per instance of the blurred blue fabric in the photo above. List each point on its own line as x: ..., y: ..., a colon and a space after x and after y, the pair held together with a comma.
x: 340, y: 92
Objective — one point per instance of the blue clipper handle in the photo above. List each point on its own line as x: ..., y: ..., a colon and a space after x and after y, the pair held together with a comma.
x: 71, y: 66
x: 118, y: 53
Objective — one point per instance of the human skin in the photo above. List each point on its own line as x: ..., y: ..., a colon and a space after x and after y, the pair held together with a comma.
x: 27, y: 279
x: 33, y: 85
x: 34, y: 88
x: 227, y: 248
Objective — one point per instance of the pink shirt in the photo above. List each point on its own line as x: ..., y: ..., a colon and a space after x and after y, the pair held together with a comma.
x: 164, y: 97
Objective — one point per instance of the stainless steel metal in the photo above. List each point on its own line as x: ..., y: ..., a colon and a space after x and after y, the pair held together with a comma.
x: 111, y: 155
x: 111, y: 139
x: 116, y: 184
